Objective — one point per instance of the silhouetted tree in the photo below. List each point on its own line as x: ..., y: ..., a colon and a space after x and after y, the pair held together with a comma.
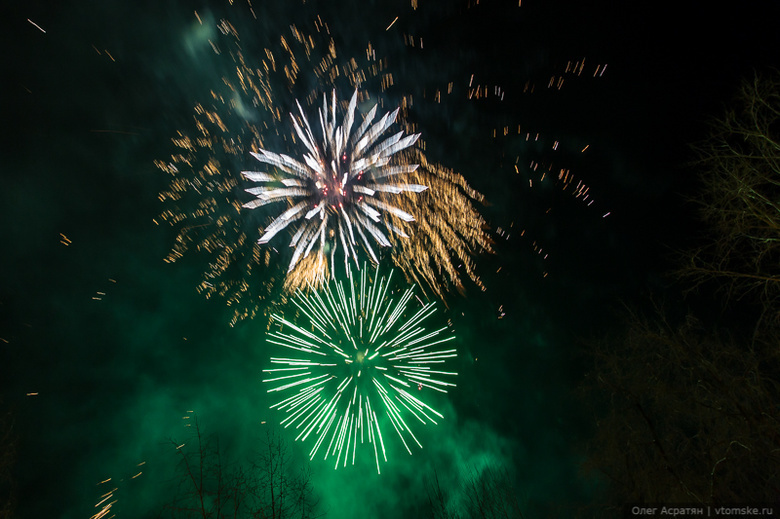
x: 691, y: 412
x: 212, y: 487
x: 485, y: 494
x: 8, y: 443
x: 739, y: 166
x: 437, y: 498
x: 692, y: 416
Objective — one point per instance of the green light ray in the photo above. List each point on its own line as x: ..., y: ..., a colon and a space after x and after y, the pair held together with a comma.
x: 358, y: 344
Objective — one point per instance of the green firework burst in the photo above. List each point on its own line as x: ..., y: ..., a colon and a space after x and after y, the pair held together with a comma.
x: 363, y: 358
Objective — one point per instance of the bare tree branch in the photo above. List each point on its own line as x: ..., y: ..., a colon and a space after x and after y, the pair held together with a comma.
x: 692, y: 415
x: 739, y: 165
x: 211, y: 488
x: 8, y: 445
x: 484, y: 494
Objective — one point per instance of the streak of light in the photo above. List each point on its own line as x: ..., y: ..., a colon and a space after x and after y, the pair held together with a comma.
x: 37, y: 26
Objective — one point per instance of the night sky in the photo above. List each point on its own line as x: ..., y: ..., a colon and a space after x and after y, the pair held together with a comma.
x: 104, y: 347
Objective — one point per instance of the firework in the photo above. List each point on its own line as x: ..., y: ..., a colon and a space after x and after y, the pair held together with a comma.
x: 205, y: 199
x: 360, y: 358
x: 338, y: 192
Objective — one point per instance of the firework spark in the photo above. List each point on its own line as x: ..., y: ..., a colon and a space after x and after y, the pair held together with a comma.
x: 339, y: 192
x: 361, y: 357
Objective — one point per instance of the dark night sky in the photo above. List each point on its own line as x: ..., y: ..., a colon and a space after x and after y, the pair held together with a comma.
x: 114, y: 376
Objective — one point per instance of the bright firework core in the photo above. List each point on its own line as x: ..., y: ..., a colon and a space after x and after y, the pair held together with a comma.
x: 363, y: 365
x: 329, y: 187
x: 360, y: 356
x: 357, y: 359
x: 343, y: 189
x: 362, y: 368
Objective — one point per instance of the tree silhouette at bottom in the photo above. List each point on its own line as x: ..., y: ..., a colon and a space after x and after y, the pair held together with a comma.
x: 209, y: 486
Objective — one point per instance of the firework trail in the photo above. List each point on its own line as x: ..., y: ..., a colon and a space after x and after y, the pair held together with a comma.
x: 358, y: 357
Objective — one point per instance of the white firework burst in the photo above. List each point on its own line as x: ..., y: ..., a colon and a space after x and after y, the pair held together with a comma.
x: 338, y: 192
